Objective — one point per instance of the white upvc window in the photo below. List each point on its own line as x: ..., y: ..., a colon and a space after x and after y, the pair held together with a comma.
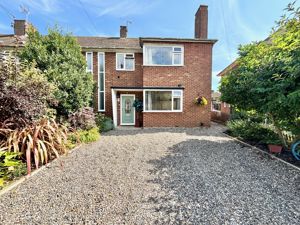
x: 215, y: 105
x: 89, y: 61
x: 163, y: 100
x: 101, y: 81
x: 163, y: 55
x: 125, y: 61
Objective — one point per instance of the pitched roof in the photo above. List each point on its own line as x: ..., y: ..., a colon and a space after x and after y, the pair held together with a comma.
x: 109, y: 42
x: 10, y: 40
x: 182, y: 40
x: 129, y: 43
x: 228, y: 69
x: 102, y: 42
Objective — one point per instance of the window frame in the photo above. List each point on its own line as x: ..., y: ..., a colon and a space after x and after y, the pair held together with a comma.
x: 172, y: 104
x: 99, y: 72
x: 173, y: 53
x: 124, y: 57
x: 212, y: 106
x: 86, y: 57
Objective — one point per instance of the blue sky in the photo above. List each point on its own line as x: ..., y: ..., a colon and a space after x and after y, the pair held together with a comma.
x: 232, y: 22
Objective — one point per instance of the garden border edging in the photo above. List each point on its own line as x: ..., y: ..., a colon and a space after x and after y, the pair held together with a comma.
x: 262, y: 151
x: 17, y: 182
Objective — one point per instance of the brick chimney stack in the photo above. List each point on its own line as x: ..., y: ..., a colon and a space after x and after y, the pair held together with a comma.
x: 20, y: 27
x: 201, y: 22
x: 123, y: 31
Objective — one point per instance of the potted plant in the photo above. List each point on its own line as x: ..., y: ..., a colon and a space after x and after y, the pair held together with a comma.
x: 138, y: 105
x: 200, y: 100
x: 274, y: 145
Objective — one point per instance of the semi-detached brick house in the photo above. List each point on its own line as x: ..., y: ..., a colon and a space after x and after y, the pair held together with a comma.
x: 167, y: 74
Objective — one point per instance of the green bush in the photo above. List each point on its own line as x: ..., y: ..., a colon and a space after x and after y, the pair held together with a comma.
x: 24, y: 92
x: 104, y: 123
x: 87, y: 136
x: 252, y: 115
x: 59, y: 56
x: 11, y: 166
x: 251, y: 131
x: 267, y: 74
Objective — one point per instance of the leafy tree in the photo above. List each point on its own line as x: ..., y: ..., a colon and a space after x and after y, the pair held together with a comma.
x: 24, y: 92
x: 267, y: 78
x: 59, y: 56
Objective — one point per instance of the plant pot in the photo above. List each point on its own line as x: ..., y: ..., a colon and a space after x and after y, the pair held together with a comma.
x: 138, y: 117
x: 275, y: 148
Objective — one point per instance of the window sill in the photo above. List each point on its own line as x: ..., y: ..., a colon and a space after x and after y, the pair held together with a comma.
x: 157, y: 111
x: 120, y: 70
x: 165, y: 65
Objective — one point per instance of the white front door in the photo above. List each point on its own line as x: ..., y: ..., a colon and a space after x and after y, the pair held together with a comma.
x: 127, y: 110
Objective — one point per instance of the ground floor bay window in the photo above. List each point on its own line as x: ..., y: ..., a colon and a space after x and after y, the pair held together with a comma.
x: 163, y: 101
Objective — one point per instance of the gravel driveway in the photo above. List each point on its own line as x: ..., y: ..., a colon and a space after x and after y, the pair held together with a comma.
x: 158, y: 176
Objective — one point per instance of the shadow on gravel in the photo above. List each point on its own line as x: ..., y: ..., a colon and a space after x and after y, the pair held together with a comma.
x: 207, y: 182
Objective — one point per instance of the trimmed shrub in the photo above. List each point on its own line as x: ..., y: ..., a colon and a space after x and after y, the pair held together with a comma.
x: 251, y: 131
x: 104, y: 123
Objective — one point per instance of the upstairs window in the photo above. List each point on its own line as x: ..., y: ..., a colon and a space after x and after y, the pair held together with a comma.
x: 163, y: 55
x: 89, y: 61
x: 125, y: 61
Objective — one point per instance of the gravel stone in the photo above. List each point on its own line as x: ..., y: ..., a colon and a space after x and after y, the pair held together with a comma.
x: 159, y: 176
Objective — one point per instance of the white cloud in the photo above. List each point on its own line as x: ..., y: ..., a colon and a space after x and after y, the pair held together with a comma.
x: 118, y: 8
x: 43, y: 6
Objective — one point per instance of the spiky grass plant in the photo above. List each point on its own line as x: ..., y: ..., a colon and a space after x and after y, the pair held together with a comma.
x: 43, y: 140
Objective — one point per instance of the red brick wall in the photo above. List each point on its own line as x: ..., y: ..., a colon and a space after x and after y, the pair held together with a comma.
x: 116, y: 78
x: 223, y: 115
x: 194, y: 76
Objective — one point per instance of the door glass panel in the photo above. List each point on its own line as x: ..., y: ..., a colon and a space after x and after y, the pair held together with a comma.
x: 127, y: 110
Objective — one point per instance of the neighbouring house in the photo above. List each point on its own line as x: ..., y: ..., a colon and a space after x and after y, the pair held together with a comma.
x: 11, y: 42
x: 166, y: 74
x: 220, y: 111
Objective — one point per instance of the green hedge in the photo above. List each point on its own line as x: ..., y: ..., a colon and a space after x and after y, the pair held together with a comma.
x: 251, y: 131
